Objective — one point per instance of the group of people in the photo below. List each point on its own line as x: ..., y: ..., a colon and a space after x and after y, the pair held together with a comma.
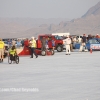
x: 30, y: 43
x: 12, y: 52
x: 71, y: 41
x: 68, y: 41
x: 17, y: 42
x: 45, y: 43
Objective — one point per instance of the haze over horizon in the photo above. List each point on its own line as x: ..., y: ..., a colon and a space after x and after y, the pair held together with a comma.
x: 45, y: 8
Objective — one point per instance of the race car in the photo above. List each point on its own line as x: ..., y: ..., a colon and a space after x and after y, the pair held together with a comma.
x: 93, y: 44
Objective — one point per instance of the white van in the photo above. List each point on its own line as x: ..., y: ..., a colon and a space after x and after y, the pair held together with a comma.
x: 61, y: 34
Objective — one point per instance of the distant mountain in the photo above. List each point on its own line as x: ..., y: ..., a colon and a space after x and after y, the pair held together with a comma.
x: 15, y: 27
x: 89, y: 23
x: 95, y: 10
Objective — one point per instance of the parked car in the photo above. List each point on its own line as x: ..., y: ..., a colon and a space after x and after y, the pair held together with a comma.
x: 93, y: 44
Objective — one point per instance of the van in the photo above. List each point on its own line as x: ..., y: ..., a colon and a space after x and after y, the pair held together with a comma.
x: 61, y: 34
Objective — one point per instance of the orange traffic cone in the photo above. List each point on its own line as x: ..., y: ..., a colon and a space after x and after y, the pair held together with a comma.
x: 90, y: 50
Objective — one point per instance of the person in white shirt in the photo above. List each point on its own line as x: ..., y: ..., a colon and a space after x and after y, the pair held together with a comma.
x: 74, y: 41
x: 67, y: 43
x: 13, y: 42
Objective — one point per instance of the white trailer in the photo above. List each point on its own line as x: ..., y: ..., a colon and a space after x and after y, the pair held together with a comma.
x: 61, y: 34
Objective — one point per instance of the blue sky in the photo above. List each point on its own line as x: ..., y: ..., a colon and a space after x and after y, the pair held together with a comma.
x: 45, y: 8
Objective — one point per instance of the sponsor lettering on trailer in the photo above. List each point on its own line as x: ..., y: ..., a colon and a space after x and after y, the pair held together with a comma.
x: 95, y: 46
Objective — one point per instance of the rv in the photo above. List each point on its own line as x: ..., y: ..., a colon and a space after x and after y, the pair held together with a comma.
x: 61, y: 34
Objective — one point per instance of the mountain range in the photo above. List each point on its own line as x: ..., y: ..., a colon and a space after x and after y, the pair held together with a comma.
x: 89, y: 23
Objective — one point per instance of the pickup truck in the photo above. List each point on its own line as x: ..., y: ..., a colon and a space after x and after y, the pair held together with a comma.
x: 58, y: 41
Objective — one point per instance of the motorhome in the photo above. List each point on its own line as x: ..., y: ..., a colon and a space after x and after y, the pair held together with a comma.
x: 61, y: 34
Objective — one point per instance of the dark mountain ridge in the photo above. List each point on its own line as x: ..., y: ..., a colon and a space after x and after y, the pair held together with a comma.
x: 95, y: 10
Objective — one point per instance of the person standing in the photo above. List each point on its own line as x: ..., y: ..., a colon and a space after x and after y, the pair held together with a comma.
x: 47, y: 47
x: 2, y: 47
x: 53, y: 44
x: 83, y: 43
x: 43, y: 41
x: 74, y: 41
x: 33, y: 47
x: 84, y: 39
x: 9, y: 43
x: 19, y: 43
x: 67, y: 44
x: 13, y: 42
x: 71, y: 45
x: 26, y: 42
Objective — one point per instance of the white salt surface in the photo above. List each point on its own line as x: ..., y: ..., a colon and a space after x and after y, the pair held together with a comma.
x: 58, y: 77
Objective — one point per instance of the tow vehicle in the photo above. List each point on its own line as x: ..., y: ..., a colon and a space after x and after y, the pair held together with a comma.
x: 57, y: 39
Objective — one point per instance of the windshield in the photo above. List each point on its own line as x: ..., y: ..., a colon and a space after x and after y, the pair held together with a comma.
x: 58, y: 37
x: 93, y: 41
x: 98, y: 39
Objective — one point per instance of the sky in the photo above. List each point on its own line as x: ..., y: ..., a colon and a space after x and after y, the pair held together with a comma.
x: 45, y: 8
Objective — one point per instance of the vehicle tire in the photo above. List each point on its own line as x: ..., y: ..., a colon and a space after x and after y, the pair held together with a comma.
x: 59, y: 48
x: 52, y: 52
x: 43, y: 53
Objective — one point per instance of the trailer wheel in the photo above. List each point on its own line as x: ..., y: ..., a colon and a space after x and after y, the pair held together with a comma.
x: 43, y: 53
x: 52, y: 52
x: 59, y: 48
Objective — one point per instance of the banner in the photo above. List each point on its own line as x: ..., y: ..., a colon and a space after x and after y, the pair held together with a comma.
x: 95, y: 46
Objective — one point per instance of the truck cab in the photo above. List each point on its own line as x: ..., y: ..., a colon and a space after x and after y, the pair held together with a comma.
x: 58, y: 41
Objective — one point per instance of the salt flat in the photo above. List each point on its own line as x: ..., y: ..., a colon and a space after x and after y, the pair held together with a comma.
x: 58, y: 77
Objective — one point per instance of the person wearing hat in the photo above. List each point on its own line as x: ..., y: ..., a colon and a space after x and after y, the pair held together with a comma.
x: 84, y: 39
x: 97, y: 36
x: 2, y: 47
x: 67, y: 42
x: 33, y: 47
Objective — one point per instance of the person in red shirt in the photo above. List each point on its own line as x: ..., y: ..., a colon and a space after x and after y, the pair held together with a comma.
x: 97, y: 36
x: 26, y: 42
